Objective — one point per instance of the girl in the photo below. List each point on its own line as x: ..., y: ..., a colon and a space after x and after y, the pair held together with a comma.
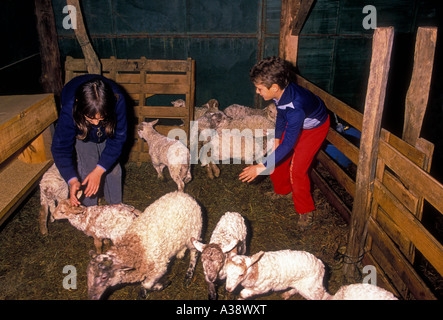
x: 93, y: 123
x: 301, y: 127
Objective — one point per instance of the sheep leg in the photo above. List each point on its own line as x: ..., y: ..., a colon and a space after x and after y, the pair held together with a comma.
x: 215, y: 170
x: 43, y: 220
x: 191, y: 268
x: 212, y: 291
x: 286, y: 295
x: 98, y: 245
x: 159, y: 169
x: 248, y: 292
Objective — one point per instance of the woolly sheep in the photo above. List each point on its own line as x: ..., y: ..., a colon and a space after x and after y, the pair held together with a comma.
x: 163, y: 231
x: 236, y: 111
x: 232, y: 144
x: 167, y: 152
x: 221, y: 121
x: 53, y: 189
x: 229, y: 236
x: 98, y: 222
x: 360, y: 291
x: 298, y: 271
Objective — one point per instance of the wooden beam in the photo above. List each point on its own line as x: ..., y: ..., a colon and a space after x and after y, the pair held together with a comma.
x: 92, y: 61
x: 418, y: 92
x: 293, y: 17
x: 51, y: 76
x: 375, y: 97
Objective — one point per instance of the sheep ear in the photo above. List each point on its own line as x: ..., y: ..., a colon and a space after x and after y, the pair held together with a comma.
x: 197, y: 244
x: 78, y: 210
x: 230, y: 246
x: 153, y: 123
x: 254, y: 259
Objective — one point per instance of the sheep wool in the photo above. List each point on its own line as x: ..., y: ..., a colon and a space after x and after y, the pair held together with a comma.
x: 163, y: 231
x: 361, y: 291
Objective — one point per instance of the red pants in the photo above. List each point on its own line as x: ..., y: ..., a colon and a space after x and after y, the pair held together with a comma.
x: 291, y: 174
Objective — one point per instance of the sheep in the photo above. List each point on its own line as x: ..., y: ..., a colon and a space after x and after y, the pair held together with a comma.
x: 167, y: 152
x: 229, y: 236
x: 237, y: 111
x: 210, y: 106
x: 360, y: 291
x: 299, y: 271
x: 99, y: 222
x: 163, y: 231
x: 53, y: 189
x: 220, y: 121
x: 232, y: 144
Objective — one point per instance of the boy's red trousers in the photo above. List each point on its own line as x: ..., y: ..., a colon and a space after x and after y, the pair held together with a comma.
x: 291, y: 174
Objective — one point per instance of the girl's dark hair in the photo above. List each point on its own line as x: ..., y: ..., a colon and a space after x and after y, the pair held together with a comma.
x: 91, y: 98
x: 269, y: 71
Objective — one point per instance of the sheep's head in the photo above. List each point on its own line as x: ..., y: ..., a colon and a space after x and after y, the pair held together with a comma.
x: 216, y: 119
x: 65, y: 210
x: 104, y: 271
x: 145, y: 127
x: 237, y: 267
x: 213, y: 257
x: 271, y: 111
x: 180, y: 103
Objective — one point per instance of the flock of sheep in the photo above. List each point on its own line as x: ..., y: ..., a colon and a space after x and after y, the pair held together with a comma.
x: 144, y: 243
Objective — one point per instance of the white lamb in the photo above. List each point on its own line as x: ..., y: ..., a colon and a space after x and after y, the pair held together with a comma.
x: 99, y: 222
x: 360, y: 291
x: 237, y: 111
x: 163, y: 231
x: 167, y: 152
x: 298, y: 271
x: 53, y: 189
x: 228, y: 237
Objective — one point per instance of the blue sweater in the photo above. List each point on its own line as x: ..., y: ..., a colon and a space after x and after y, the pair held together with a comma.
x: 297, y: 109
x: 63, y: 142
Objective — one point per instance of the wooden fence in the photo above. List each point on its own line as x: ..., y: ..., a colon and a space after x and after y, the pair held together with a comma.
x: 385, y: 225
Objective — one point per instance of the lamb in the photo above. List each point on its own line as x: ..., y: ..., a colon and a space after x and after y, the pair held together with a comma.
x: 236, y: 111
x: 99, y: 222
x: 167, y: 152
x: 298, y: 271
x: 360, y: 291
x: 163, y: 231
x: 53, y: 189
x: 228, y: 237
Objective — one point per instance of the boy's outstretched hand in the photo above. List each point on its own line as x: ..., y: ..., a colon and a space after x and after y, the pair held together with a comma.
x: 250, y: 173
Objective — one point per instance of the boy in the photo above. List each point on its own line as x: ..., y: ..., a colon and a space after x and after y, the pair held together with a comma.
x: 300, y: 129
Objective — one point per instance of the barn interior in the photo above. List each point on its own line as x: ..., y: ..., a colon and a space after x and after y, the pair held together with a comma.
x: 376, y: 183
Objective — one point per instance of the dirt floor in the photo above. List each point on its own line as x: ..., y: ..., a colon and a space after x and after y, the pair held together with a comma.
x: 32, y: 265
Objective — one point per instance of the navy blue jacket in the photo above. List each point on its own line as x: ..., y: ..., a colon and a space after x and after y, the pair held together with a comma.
x: 297, y: 109
x: 63, y: 142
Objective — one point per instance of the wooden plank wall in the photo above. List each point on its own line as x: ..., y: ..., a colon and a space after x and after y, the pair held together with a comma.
x: 143, y: 78
x: 401, y: 186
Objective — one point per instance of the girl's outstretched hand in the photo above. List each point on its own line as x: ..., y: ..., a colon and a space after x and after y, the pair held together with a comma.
x: 93, y: 181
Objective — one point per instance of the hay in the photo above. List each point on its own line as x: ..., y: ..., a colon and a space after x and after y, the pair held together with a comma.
x: 31, y: 265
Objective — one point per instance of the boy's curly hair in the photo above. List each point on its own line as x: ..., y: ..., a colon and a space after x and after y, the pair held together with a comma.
x: 269, y: 71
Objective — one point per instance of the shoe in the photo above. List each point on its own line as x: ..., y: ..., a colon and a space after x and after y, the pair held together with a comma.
x: 275, y: 196
x: 306, y: 220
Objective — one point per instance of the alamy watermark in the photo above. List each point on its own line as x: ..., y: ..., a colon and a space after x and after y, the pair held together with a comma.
x: 370, y: 20
x: 70, y: 21
x: 70, y: 281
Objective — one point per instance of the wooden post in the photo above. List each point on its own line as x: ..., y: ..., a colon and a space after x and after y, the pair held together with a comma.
x: 293, y: 16
x: 92, y: 61
x: 367, y: 159
x: 51, y: 77
x: 418, y: 92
